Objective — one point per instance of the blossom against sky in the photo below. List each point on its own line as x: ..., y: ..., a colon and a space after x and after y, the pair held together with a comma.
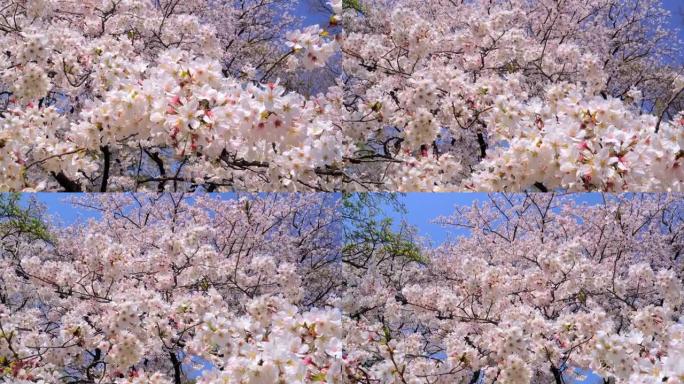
x: 421, y: 209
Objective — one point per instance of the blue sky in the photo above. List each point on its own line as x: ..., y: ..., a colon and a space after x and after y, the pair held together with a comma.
x: 58, y: 206
x: 422, y: 208
x: 675, y: 6
x: 64, y: 213
x: 311, y: 13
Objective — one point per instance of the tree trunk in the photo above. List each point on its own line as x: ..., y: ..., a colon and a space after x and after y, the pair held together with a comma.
x: 557, y: 375
x: 105, y: 172
x: 176, y: 367
x: 476, y: 377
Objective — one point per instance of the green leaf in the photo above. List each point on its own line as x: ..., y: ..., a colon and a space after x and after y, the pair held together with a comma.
x: 24, y: 221
x: 387, y: 334
x: 353, y: 4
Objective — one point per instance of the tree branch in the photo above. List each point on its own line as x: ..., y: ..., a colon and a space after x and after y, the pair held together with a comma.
x: 107, y: 163
x: 66, y: 183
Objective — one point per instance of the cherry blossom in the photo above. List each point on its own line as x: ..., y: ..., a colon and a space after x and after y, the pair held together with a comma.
x: 158, y: 282
x: 188, y: 91
x: 539, y: 287
x: 521, y: 95
x: 209, y: 95
x: 308, y: 288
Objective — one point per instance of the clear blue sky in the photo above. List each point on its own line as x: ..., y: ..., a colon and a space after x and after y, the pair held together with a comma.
x: 312, y: 14
x: 676, y: 6
x: 59, y: 208
x: 63, y: 212
x: 422, y: 208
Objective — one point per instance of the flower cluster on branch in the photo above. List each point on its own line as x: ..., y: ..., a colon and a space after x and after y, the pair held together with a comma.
x: 398, y: 95
x: 308, y: 288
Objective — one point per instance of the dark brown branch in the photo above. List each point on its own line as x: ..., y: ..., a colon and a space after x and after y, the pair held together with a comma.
x: 557, y: 375
x: 667, y: 106
x: 107, y: 164
x: 160, y: 165
x: 483, y: 145
x: 541, y: 187
x: 176, y: 368
x: 475, y: 378
x: 66, y: 183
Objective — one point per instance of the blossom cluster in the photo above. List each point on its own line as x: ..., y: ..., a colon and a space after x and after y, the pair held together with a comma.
x: 145, y: 292
x: 137, y: 80
x: 575, y: 144
x: 524, y: 96
x: 211, y: 95
x: 261, y: 289
x: 542, y: 290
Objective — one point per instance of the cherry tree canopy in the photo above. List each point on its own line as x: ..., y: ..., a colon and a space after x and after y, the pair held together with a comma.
x: 540, y: 286
x: 111, y: 95
x: 138, y: 296
x: 515, y: 95
x: 267, y: 290
x: 134, y: 94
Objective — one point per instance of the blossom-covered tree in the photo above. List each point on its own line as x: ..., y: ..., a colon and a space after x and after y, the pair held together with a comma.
x: 514, y: 95
x: 133, y: 95
x: 539, y: 287
x: 242, y: 287
x: 322, y: 289
x: 108, y: 95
